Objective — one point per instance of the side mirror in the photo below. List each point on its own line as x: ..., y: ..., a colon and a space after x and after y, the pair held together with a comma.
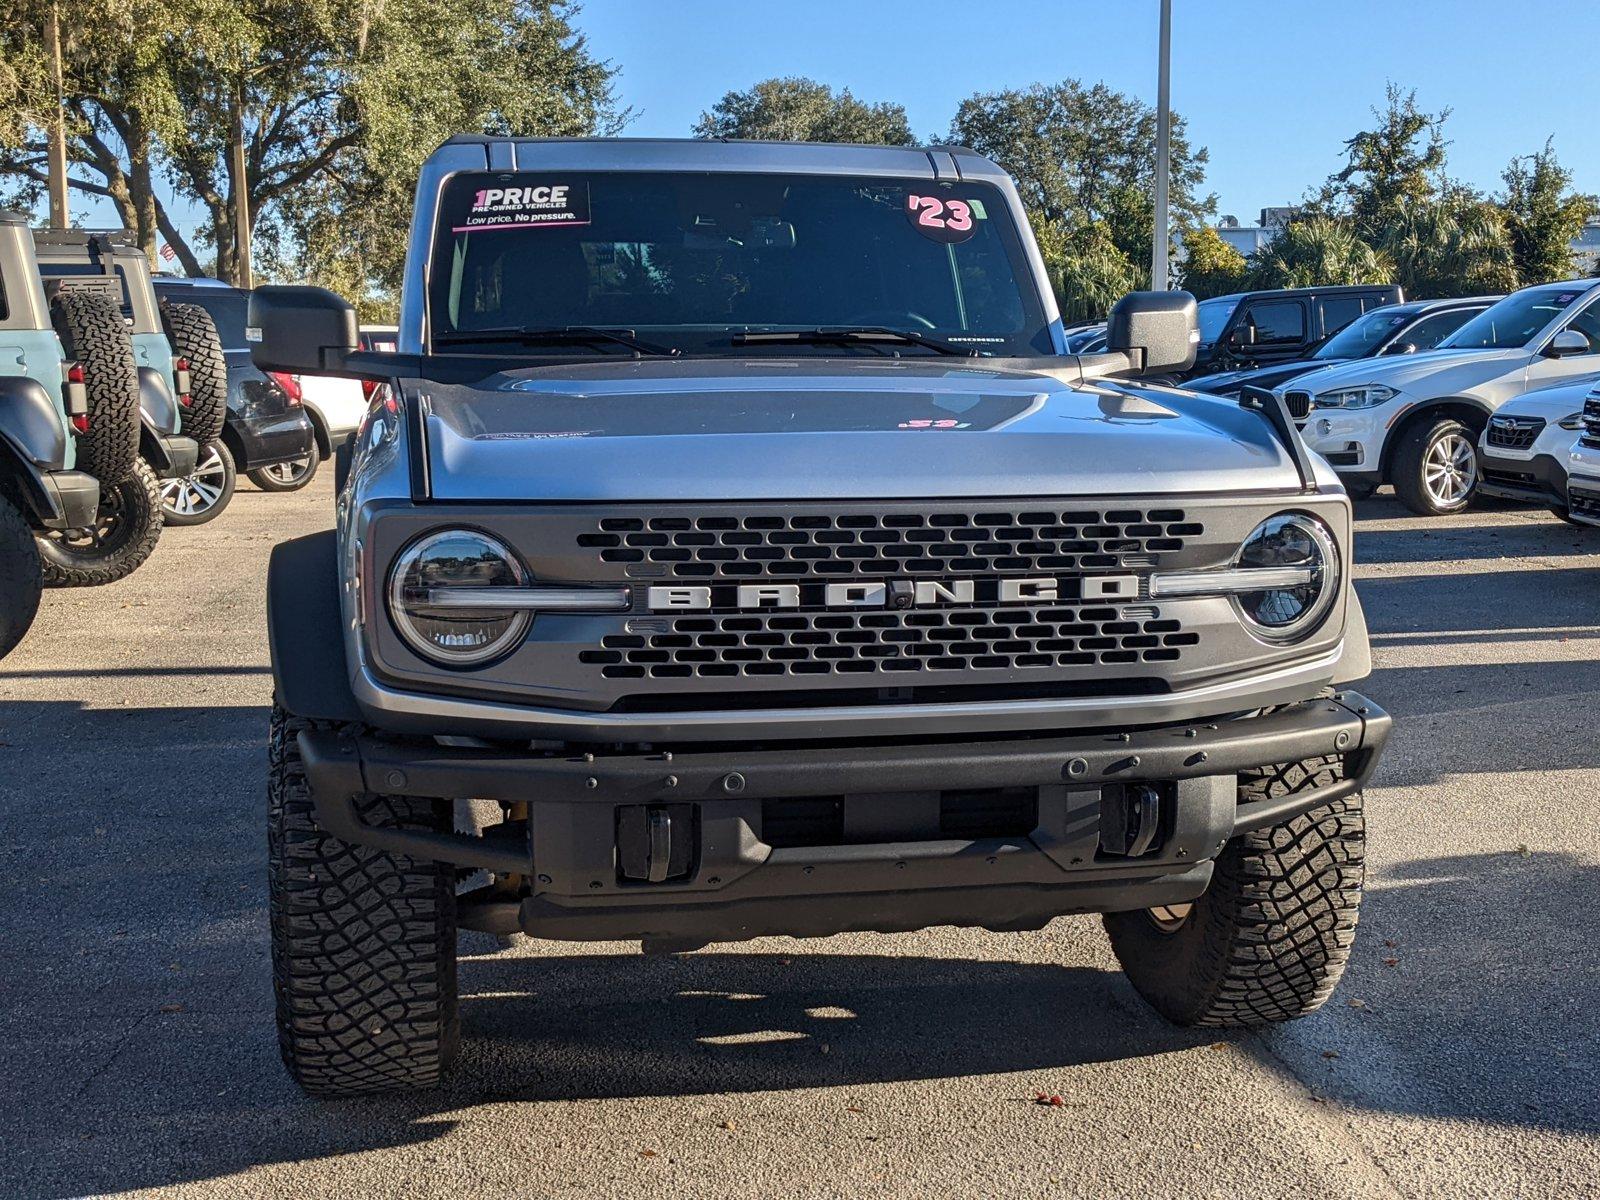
x: 1566, y: 343
x: 1400, y: 348
x: 1243, y: 337
x: 301, y: 330
x: 1156, y: 330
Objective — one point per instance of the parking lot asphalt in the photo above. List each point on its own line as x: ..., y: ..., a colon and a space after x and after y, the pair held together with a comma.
x: 1461, y: 1056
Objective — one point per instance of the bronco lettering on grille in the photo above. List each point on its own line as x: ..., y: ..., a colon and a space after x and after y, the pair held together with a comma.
x: 892, y: 593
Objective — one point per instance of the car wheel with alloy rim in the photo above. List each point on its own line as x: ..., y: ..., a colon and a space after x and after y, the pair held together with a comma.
x: 288, y: 476
x: 1436, y: 467
x: 201, y: 496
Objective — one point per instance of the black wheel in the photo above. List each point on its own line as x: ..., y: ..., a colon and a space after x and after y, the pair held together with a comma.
x: 1435, y: 467
x: 20, y: 578
x: 94, y: 334
x: 363, y: 942
x: 200, y: 497
x: 125, y: 531
x: 288, y: 476
x: 194, y: 336
x: 1270, y: 937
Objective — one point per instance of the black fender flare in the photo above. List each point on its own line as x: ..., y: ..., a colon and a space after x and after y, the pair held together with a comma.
x: 1421, y: 409
x: 305, y: 630
x: 33, y: 443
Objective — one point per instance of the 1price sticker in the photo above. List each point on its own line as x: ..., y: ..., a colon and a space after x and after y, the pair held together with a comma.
x: 943, y: 218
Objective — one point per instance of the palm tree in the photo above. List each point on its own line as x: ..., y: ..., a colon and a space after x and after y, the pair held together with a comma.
x: 1458, y: 247
x: 1317, y: 251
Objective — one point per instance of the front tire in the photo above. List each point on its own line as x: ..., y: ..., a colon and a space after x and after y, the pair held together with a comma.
x: 21, y: 581
x: 1435, y: 467
x: 363, y: 942
x: 1269, y: 939
x: 201, y: 496
x: 287, y: 476
x: 126, y: 530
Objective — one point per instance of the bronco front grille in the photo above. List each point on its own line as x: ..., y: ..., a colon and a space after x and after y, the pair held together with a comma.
x: 950, y: 542
x: 758, y: 645
x: 1514, y: 433
x: 1591, y: 420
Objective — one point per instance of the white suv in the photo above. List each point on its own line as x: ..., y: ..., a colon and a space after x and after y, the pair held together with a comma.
x: 1415, y: 421
x: 1523, y: 453
x: 1583, y: 465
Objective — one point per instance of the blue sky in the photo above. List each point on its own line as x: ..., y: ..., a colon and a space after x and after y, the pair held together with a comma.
x: 1271, y: 89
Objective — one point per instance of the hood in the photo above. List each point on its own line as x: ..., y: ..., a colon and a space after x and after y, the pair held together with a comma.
x: 788, y: 429
x: 1416, y: 373
x: 1552, y: 403
x: 1267, y: 376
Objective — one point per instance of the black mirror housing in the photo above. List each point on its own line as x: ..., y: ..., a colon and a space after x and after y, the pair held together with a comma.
x: 1157, y: 330
x: 301, y: 330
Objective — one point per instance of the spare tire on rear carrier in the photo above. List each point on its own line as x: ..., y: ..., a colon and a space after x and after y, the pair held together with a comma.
x: 94, y: 334
x: 193, y: 335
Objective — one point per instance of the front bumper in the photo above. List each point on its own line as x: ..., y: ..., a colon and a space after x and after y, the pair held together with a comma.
x: 1350, y: 439
x: 822, y: 840
x: 1536, y: 474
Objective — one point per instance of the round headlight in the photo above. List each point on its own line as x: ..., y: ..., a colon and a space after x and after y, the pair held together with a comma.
x: 1289, y: 611
x: 441, y: 597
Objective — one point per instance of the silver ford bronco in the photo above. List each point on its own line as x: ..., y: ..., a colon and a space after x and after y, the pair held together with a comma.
x: 736, y: 551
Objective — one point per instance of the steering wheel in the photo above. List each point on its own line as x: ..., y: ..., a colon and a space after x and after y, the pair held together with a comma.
x: 890, y: 320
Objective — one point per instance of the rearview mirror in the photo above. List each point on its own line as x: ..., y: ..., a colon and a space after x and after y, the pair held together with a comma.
x: 1400, y: 348
x: 1566, y: 343
x: 1156, y: 330
x: 1242, y: 337
x: 301, y: 330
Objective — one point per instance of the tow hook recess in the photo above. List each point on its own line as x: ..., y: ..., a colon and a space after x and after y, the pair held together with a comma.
x: 1130, y: 818
x: 655, y: 842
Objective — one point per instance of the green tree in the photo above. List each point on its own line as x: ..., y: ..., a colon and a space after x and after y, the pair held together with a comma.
x: 1457, y: 246
x: 1543, y: 216
x: 794, y: 109
x: 1084, y: 162
x: 1317, y: 251
x: 1210, y: 266
x: 1391, y: 168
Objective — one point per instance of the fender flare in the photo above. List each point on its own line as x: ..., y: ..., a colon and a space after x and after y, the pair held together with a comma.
x: 1355, y: 661
x: 305, y: 634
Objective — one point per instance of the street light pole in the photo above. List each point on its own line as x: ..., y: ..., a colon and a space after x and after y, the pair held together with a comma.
x: 1159, y: 273
x: 60, y: 216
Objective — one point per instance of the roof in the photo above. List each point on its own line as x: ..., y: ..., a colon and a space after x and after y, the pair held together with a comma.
x: 726, y: 154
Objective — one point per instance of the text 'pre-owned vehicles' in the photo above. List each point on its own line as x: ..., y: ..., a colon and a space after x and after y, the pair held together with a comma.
x: 1391, y: 330
x: 265, y: 430
x: 1415, y: 421
x: 737, y: 530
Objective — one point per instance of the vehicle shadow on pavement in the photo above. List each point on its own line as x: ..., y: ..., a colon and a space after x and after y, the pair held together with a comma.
x: 1532, y: 534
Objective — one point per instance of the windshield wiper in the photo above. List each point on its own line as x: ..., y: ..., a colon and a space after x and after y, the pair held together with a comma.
x: 569, y: 335
x: 848, y: 335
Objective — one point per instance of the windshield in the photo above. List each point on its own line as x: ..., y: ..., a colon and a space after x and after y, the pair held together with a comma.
x: 1514, y: 321
x: 689, y: 261
x: 1213, y: 316
x: 1363, y: 336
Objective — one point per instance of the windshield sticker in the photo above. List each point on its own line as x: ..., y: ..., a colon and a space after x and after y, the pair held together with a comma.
x: 1566, y: 298
x: 527, y: 206
x: 942, y: 218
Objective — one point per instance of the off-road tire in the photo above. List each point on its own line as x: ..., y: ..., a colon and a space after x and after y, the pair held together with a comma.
x: 1406, y: 467
x: 194, y: 336
x: 20, y: 578
x: 130, y: 522
x: 176, y: 493
x: 94, y: 334
x: 363, y: 942
x: 267, y: 482
x: 1270, y: 937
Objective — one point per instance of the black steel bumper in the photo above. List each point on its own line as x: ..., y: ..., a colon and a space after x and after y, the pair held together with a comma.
x: 61, y: 499
x: 1537, y: 480
x: 893, y: 862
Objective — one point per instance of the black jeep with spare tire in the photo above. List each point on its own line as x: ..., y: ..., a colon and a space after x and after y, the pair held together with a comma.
x: 737, y: 551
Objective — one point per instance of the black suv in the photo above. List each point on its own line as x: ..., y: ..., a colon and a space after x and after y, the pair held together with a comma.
x: 1254, y: 329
